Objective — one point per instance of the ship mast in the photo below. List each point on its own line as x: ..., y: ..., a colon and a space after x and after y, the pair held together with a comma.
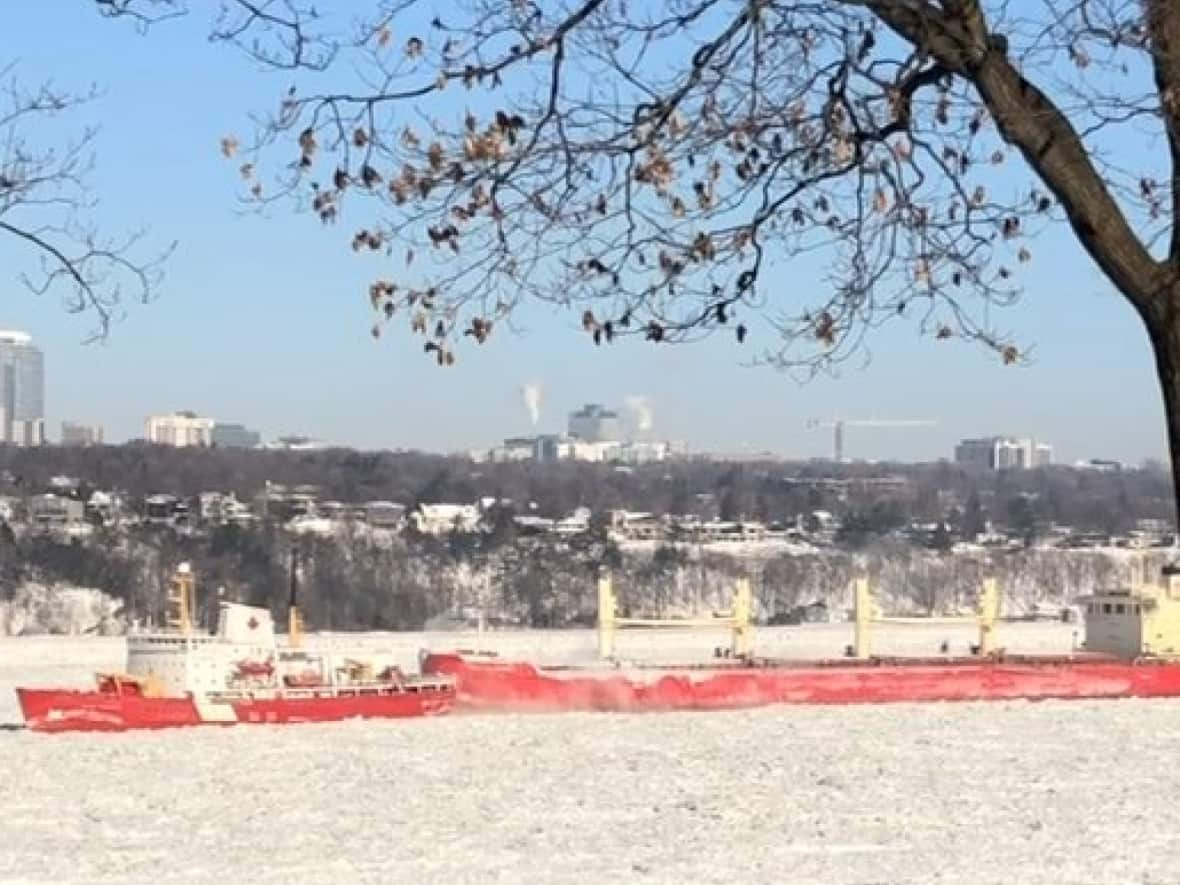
x: 294, y: 619
x: 182, y: 598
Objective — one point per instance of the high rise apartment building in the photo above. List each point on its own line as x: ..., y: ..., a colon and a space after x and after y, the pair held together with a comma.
x: 22, y: 390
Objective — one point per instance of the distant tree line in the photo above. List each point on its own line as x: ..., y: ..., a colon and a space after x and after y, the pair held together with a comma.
x: 343, y: 583
x: 964, y: 497
x: 418, y: 582
x: 410, y: 580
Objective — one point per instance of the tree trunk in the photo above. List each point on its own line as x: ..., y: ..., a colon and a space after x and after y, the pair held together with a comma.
x: 1164, y: 330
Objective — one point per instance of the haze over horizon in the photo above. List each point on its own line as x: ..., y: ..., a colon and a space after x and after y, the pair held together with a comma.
x: 265, y: 320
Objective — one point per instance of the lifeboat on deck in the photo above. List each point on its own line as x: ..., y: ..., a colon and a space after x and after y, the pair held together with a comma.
x: 248, y: 669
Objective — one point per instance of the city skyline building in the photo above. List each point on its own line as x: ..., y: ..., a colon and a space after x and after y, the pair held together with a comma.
x: 1004, y: 453
x: 180, y: 430
x: 22, y: 390
x: 593, y: 423
x: 74, y: 433
x: 235, y: 436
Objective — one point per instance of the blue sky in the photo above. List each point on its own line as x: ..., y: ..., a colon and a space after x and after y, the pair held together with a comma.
x: 266, y: 320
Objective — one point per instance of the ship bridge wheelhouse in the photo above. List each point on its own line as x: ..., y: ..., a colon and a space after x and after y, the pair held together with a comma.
x: 245, y: 624
x: 1137, y: 621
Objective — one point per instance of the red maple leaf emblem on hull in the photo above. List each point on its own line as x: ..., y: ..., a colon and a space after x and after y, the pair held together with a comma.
x: 252, y: 623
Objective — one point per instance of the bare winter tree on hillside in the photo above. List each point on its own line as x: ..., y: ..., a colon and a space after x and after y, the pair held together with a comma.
x: 657, y: 166
x: 46, y: 201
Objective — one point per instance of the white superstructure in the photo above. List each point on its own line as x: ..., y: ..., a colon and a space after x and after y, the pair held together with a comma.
x: 242, y: 655
x: 243, y: 648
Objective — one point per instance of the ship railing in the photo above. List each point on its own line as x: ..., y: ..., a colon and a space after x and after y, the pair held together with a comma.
x: 318, y: 692
x: 865, y: 615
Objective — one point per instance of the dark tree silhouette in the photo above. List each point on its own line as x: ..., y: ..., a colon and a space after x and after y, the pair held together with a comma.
x: 974, y: 521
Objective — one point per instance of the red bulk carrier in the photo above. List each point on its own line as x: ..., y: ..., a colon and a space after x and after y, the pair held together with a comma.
x: 1132, y: 649
x: 239, y: 674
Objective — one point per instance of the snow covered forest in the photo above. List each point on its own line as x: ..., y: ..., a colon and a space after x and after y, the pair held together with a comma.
x: 919, y: 536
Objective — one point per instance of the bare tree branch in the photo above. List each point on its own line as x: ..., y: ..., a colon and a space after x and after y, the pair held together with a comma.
x: 660, y: 168
x: 44, y: 200
x: 801, y: 135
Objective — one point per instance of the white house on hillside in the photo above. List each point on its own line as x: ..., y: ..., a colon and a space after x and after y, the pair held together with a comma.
x: 442, y: 519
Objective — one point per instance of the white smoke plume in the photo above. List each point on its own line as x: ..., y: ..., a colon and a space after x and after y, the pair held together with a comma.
x: 641, y: 415
x: 531, y: 394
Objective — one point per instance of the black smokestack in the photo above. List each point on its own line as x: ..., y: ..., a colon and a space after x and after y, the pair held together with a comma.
x: 292, y: 601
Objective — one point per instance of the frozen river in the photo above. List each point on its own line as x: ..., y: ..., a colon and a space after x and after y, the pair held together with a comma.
x: 1056, y: 792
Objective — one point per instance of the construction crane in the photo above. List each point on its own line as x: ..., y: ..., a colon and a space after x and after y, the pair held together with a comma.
x: 837, y: 426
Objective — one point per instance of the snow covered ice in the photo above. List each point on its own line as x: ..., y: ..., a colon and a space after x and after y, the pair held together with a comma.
x: 1054, y: 792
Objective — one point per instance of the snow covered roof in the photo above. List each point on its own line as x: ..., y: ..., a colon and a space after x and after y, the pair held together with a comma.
x: 444, y: 511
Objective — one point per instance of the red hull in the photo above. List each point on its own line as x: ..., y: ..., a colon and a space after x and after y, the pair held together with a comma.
x: 489, y: 684
x: 54, y: 710
x: 333, y: 709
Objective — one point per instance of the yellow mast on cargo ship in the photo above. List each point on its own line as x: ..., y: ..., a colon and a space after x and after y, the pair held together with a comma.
x: 866, y: 613
x: 182, y: 600
x: 738, y: 620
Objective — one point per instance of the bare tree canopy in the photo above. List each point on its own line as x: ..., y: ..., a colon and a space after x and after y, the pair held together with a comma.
x: 650, y: 163
x: 658, y: 166
x: 45, y: 204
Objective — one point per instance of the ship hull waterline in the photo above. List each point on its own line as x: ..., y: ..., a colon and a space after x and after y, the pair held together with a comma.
x: 60, y: 710
x: 487, y: 685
